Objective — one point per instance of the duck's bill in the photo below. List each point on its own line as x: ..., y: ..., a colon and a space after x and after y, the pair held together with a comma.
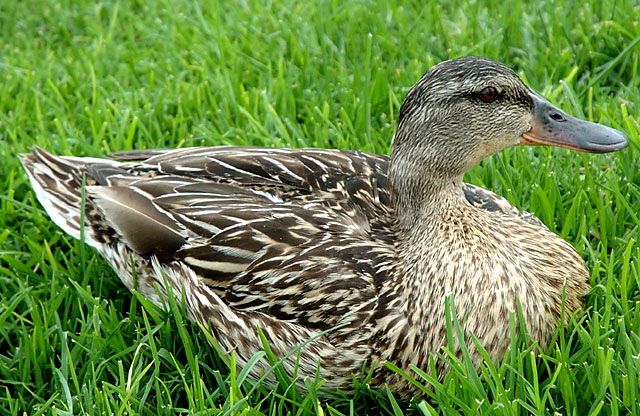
x: 553, y: 127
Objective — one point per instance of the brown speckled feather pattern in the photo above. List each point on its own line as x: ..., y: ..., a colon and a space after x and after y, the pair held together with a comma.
x: 294, y: 241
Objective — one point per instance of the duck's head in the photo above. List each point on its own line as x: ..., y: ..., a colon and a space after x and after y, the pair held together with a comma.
x: 466, y: 109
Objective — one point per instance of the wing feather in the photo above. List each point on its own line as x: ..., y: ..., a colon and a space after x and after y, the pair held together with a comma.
x: 145, y: 228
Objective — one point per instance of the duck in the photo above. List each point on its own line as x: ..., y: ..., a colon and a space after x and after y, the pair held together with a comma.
x: 344, y: 260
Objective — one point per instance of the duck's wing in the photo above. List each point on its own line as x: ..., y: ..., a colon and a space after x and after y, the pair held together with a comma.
x: 490, y: 201
x: 298, y: 234
x: 301, y: 235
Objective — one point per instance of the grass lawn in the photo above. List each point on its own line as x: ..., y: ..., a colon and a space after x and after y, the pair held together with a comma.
x: 89, y: 78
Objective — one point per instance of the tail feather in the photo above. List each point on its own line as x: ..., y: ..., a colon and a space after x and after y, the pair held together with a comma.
x: 57, y: 182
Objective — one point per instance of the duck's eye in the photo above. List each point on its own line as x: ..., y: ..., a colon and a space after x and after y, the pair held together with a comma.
x: 489, y: 94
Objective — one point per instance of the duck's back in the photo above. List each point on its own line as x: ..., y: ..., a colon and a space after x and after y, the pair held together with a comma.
x: 293, y: 241
x: 225, y: 211
x: 254, y: 218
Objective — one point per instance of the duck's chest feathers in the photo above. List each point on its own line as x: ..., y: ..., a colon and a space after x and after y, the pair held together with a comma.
x: 489, y: 265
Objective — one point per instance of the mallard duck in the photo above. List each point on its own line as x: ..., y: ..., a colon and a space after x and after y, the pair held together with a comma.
x: 355, y: 252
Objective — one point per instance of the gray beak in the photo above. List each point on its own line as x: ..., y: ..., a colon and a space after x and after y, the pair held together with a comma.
x: 553, y: 127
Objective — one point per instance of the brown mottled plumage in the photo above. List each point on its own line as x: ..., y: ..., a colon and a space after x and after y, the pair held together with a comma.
x: 300, y: 241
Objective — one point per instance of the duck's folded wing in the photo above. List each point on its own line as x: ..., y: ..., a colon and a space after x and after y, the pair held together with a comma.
x: 297, y: 234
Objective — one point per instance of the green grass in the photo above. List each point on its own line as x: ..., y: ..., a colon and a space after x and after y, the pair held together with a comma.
x: 89, y: 78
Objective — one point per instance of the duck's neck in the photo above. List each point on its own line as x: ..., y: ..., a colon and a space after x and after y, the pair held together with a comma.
x: 422, y: 201
x: 432, y: 213
x: 430, y: 209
